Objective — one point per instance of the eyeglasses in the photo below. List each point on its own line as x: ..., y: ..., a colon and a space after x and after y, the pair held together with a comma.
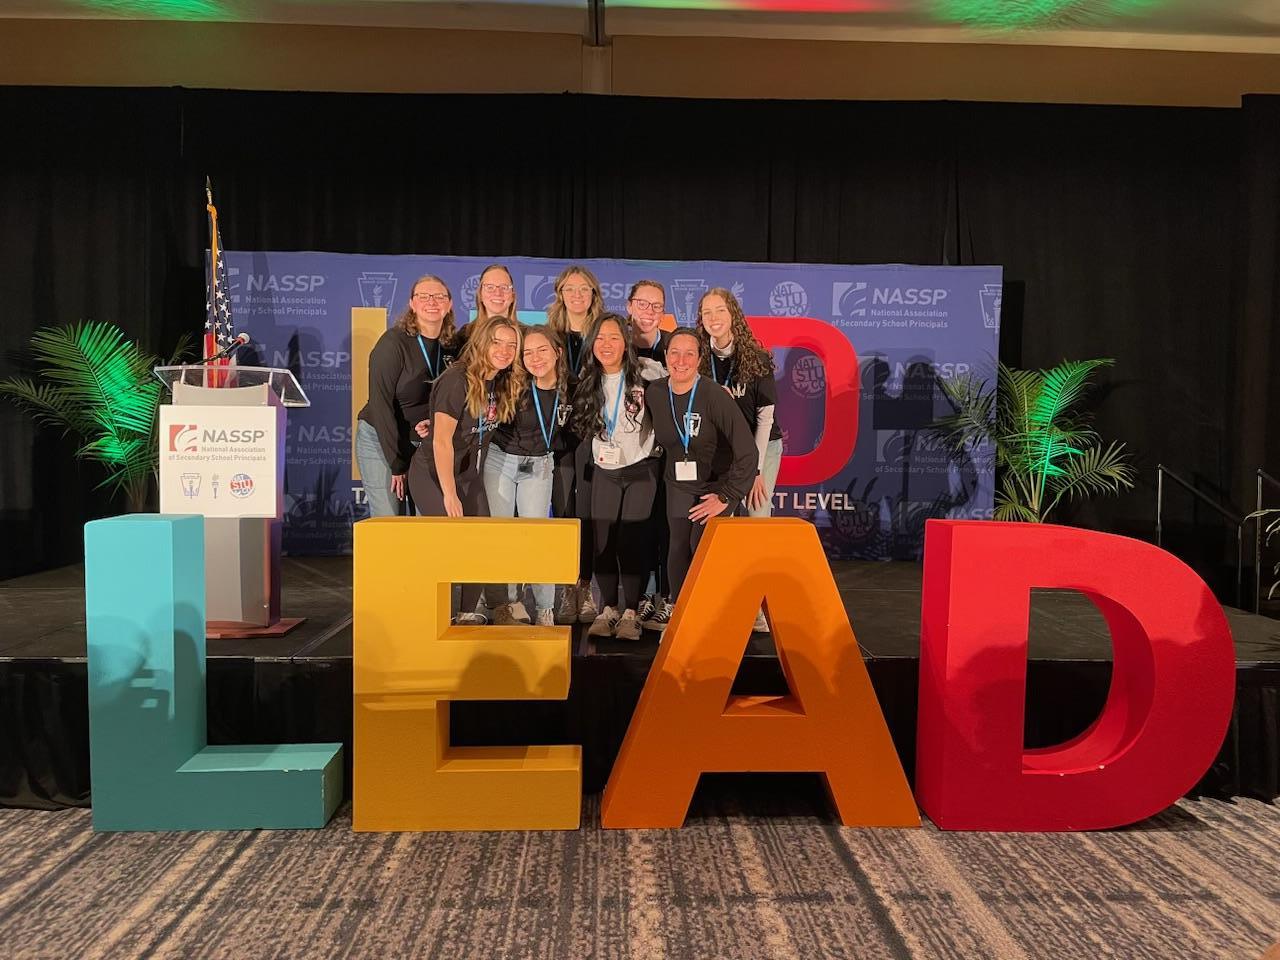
x: 647, y: 304
x: 576, y: 291
x: 431, y: 297
x: 497, y: 287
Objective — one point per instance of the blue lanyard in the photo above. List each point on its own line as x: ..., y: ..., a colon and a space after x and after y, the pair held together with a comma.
x: 716, y: 376
x: 684, y: 435
x: 611, y: 423
x: 434, y: 371
x: 546, y: 434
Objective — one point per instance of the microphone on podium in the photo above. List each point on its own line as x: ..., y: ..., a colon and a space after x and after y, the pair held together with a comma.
x: 240, y: 340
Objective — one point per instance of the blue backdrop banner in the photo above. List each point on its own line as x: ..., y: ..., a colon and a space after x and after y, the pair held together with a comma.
x: 859, y: 351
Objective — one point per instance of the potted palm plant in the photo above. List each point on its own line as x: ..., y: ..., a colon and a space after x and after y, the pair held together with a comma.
x: 97, y: 384
x: 1046, y: 450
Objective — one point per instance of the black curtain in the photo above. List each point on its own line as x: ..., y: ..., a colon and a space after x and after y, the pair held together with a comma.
x: 1145, y: 234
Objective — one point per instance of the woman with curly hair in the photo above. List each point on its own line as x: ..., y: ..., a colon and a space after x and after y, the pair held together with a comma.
x: 403, y: 366
x: 735, y: 359
x: 610, y: 415
x: 481, y: 390
x: 577, y: 305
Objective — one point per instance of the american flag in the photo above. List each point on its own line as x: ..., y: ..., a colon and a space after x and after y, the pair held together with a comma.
x: 219, y: 329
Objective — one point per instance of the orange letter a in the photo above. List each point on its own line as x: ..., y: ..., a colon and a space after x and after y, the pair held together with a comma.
x: 688, y: 722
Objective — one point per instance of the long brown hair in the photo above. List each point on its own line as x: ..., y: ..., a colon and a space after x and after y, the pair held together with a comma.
x: 753, y: 361
x: 481, y: 312
x: 558, y: 313
x: 508, y: 384
x: 562, y: 361
x: 408, y: 321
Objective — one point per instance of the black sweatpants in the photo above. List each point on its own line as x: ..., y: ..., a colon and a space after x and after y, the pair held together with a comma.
x: 621, y: 502
x: 429, y: 499
x: 684, y: 534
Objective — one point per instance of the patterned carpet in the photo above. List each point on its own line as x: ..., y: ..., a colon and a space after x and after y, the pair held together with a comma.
x: 759, y: 872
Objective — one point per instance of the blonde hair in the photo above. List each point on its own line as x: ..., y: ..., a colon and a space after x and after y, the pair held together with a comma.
x: 482, y: 312
x: 558, y: 313
x: 508, y: 384
x: 408, y: 321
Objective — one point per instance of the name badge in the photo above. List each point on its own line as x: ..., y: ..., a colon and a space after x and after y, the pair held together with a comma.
x: 686, y: 469
x: 610, y: 455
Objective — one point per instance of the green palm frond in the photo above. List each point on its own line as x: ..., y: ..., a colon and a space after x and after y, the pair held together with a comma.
x: 1045, y: 450
x: 98, y: 384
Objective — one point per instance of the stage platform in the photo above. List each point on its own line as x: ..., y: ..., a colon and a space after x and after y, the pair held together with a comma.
x: 297, y: 688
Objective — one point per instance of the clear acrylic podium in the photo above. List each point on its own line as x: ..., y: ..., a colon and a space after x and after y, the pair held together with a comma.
x: 242, y: 500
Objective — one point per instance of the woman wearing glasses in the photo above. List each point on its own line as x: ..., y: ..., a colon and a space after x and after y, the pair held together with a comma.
x: 609, y: 409
x: 578, y: 303
x: 646, y: 305
x: 468, y: 403
x: 711, y: 460
x: 405, y: 363
x: 520, y: 465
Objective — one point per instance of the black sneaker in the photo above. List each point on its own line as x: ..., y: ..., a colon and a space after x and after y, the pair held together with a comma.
x: 660, y: 617
x: 646, y: 609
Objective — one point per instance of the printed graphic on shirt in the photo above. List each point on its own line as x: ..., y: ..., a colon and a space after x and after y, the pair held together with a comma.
x: 692, y: 424
x: 634, y: 403
x: 737, y: 391
x: 562, y: 415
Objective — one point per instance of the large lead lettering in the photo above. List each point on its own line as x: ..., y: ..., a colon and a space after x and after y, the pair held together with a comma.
x: 1172, y: 683
x: 688, y: 723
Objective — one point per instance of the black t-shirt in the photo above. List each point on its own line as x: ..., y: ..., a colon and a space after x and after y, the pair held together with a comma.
x: 719, y: 440
x: 573, y: 354
x: 522, y: 437
x: 400, y: 381
x: 449, y: 396
x: 658, y: 352
x: 749, y: 396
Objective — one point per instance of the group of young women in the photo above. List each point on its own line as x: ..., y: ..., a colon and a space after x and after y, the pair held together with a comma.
x: 643, y: 434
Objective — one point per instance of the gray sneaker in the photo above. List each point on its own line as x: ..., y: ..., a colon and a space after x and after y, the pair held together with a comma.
x: 472, y: 619
x: 587, y: 612
x: 567, y: 612
x: 518, y: 612
x: 546, y: 617
x: 628, y: 628
x: 604, y: 624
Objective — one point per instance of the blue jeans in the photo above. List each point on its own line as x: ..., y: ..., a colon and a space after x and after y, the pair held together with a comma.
x: 772, y: 461
x: 521, y: 486
x: 375, y: 473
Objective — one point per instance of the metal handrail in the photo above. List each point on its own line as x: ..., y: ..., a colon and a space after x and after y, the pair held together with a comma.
x: 1238, y: 521
x: 1257, y: 539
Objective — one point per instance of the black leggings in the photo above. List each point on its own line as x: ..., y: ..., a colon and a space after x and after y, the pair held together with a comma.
x: 571, y: 497
x: 429, y: 499
x: 659, y: 540
x: 684, y: 534
x: 621, y: 501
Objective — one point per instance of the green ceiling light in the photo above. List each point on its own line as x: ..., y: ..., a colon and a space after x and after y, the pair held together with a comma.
x: 163, y: 9
x: 1026, y: 14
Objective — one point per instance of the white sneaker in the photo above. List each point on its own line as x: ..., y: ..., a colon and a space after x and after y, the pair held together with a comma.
x: 546, y: 618
x: 567, y: 612
x: 603, y: 625
x: 761, y: 624
x: 587, y: 612
x: 518, y: 613
x: 627, y: 628
x: 472, y: 620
